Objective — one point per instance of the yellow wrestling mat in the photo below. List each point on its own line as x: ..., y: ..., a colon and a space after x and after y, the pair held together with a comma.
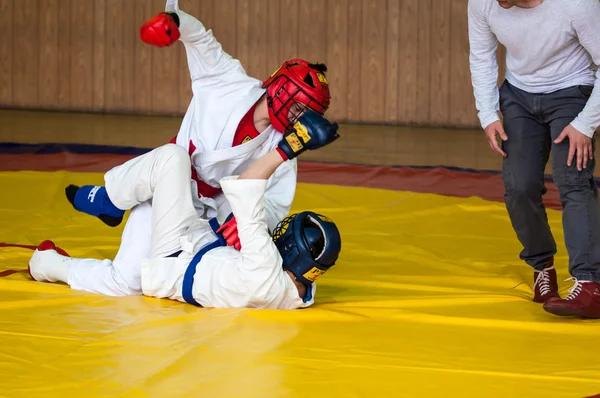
x: 429, y: 299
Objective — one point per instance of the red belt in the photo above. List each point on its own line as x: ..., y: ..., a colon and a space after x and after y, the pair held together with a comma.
x: 204, y: 189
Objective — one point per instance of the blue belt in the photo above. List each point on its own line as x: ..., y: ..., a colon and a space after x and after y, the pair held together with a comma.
x: 188, y: 277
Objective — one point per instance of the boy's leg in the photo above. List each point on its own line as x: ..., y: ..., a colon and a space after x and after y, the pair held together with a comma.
x: 120, y: 277
x: 162, y: 175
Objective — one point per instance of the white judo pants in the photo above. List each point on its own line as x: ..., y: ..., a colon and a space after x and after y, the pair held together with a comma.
x: 156, y: 186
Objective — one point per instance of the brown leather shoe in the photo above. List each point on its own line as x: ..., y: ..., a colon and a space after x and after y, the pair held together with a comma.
x: 545, y: 285
x: 583, y: 300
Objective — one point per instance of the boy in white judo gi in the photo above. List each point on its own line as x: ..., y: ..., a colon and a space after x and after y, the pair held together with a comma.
x: 189, y: 259
x: 232, y: 120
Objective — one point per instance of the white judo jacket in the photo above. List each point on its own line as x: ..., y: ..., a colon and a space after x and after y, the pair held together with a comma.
x: 222, y: 94
x: 226, y: 278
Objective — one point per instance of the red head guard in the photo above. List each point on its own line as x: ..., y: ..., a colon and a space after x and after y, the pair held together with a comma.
x: 296, y: 81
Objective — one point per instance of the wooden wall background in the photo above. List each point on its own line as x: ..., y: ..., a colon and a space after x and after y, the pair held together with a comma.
x: 390, y: 61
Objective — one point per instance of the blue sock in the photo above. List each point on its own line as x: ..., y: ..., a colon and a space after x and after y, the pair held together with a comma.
x: 94, y: 200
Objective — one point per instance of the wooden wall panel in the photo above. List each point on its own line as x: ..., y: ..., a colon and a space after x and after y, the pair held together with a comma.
x: 48, y: 40
x: 273, y: 32
x: 439, y: 94
x: 25, y: 55
x: 242, y: 37
x: 288, y: 35
x: 130, y: 39
x: 6, y: 49
x: 82, y: 49
x: 312, y: 31
x: 462, y: 104
x: 258, y: 11
x: 424, y: 60
x: 337, y: 61
x: 224, y: 30
x: 501, y: 54
x: 64, y: 75
x: 99, y: 57
x: 373, y: 62
x: 409, y: 63
x: 114, y: 82
x: 355, y: 47
x: 390, y: 61
x: 392, y: 58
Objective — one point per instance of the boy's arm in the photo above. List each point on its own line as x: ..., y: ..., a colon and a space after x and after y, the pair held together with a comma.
x: 205, y: 55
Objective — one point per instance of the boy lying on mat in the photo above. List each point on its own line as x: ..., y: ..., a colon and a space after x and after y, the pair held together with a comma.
x: 190, y: 260
x: 232, y: 120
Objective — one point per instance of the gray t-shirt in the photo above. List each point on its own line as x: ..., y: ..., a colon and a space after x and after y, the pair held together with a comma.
x: 549, y: 47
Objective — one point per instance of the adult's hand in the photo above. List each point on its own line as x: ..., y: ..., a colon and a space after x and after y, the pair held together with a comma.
x: 491, y: 131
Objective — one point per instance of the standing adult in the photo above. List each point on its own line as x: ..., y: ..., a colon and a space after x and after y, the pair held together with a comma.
x: 549, y: 106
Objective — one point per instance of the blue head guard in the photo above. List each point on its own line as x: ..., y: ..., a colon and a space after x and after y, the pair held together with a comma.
x: 309, y: 244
